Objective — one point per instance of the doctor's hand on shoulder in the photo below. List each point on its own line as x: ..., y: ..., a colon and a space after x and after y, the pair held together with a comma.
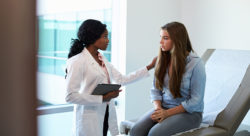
x: 108, y: 96
x: 152, y: 64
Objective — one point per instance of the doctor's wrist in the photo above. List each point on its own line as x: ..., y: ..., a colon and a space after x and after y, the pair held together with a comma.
x: 105, y: 98
x: 149, y: 67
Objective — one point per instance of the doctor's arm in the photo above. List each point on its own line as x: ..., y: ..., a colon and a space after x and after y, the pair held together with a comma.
x: 133, y: 76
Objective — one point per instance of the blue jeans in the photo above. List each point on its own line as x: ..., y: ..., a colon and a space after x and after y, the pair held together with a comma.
x: 145, y: 126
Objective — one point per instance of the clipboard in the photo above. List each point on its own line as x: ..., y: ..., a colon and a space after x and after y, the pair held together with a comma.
x: 102, y: 89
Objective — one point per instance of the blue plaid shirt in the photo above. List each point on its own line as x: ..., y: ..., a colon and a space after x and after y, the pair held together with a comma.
x: 192, y: 87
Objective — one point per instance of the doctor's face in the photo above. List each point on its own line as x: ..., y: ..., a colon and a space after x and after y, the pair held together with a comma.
x: 166, y: 42
x: 102, y: 42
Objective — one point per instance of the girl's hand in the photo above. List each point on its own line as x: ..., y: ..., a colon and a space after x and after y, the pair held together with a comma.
x: 108, y: 96
x: 157, y: 106
x: 155, y: 119
x: 159, y: 115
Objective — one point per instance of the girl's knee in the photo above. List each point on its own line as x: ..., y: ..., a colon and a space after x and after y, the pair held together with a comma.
x: 159, y: 131
x: 137, y: 130
x: 133, y: 131
x: 154, y: 132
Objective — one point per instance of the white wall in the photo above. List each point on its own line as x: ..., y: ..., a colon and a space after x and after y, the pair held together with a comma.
x: 144, y: 19
x: 220, y: 24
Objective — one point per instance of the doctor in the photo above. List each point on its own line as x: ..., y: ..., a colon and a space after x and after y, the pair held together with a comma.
x: 86, y: 68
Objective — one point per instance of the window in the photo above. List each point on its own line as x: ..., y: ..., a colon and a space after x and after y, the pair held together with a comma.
x: 55, y: 33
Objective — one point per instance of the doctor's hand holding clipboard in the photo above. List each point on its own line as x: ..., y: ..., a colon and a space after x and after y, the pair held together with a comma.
x: 86, y: 68
x: 111, y: 95
x: 108, y: 91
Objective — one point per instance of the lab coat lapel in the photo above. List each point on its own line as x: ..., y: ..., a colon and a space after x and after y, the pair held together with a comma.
x: 108, y: 68
x: 93, y: 63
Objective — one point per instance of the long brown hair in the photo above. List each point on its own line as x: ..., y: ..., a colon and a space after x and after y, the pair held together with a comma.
x: 177, y: 56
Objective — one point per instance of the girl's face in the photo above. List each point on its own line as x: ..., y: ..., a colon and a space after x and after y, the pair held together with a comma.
x: 166, y: 42
x: 102, y: 42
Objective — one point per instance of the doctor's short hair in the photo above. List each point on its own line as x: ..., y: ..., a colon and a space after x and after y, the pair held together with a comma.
x: 89, y: 31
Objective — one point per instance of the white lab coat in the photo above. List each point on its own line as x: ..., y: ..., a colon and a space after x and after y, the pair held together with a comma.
x: 84, y: 73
